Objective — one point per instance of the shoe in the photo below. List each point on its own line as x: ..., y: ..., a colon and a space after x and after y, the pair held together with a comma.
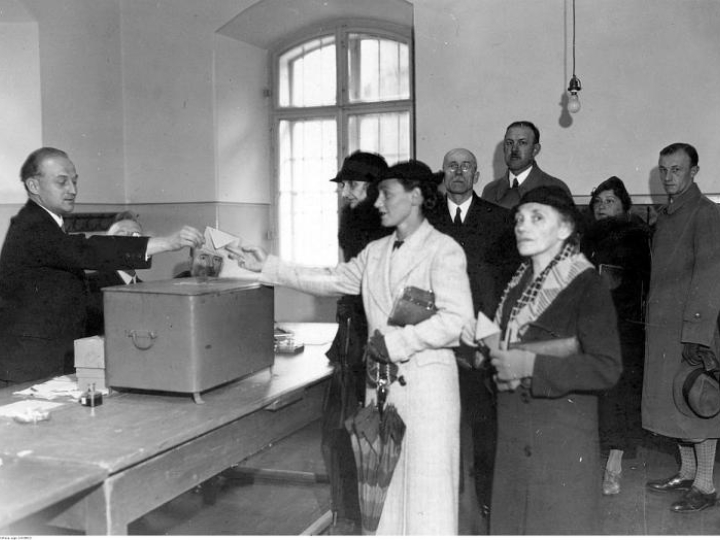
x: 694, y: 501
x: 674, y: 483
x: 611, y: 482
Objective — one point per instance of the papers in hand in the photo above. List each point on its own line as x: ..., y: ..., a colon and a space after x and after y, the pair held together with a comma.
x: 484, y: 327
x: 217, y: 239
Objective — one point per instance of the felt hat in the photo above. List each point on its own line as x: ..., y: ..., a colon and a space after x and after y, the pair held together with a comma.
x: 696, y: 391
x: 553, y: 196
x: 414, y: 170
x: 362, y: 167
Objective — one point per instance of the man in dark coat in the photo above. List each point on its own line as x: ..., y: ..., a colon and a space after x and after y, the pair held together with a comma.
x: 42, y: 280
x: 521, y: 146
x: 124, y: 224
x: 485, y: 233
x: 683, y: 307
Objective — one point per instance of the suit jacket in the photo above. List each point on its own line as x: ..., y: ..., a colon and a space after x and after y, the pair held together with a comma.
x: 42, y: 286
x: 499, y: 192
x: 96, y: 282
x: 422, y: 496
x: 488, y: 240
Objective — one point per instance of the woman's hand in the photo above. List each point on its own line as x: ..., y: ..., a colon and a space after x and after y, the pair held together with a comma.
x: 250, y: 258
x: 512, y: 366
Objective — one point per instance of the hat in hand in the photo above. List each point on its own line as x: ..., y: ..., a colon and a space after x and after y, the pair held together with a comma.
x: 696, y: 391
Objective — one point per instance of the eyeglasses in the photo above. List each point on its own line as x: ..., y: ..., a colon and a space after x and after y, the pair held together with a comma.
x: 606, y: 202
x: 465, y: 166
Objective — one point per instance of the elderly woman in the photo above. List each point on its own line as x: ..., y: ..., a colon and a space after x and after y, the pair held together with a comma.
x: 618, y: 244
x: 558, y: 348
x: 423, y: 494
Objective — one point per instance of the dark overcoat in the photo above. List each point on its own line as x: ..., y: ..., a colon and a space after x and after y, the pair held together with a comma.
x: 43, y: 291
x: 547, y: 468
x: 683, y: 307
x: 498, y: 191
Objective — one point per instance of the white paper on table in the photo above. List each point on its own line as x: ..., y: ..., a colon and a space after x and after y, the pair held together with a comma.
x: 20, y: 408
x: 63, y: 386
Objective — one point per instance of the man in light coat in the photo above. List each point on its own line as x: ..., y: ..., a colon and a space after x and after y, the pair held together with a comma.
x: 683, y: 307
x: 521, y: 146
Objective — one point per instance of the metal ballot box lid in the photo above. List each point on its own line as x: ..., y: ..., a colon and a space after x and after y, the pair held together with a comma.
x: 187, y: 335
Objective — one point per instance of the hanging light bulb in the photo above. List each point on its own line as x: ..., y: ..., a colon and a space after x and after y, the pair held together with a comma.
x: 574, y: 86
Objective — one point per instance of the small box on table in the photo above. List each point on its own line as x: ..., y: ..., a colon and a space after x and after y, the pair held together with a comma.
x: 90, y: 362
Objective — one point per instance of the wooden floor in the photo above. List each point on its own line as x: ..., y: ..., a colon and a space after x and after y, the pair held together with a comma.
x: 270, y: 505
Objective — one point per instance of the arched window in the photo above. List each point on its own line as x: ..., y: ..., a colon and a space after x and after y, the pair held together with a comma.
x: 336, y: 91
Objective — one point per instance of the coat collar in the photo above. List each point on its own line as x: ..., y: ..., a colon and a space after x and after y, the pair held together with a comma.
x: 412, y: 253
x: 692, y: 193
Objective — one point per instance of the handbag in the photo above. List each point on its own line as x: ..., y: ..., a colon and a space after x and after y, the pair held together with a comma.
x: 413, y: 306
x: 561, y: 347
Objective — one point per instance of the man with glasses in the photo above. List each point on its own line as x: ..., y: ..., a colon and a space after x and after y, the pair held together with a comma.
x: 486, y: 235
x: 520, y: 147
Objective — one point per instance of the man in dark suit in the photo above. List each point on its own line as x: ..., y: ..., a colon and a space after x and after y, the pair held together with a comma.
x: 484, y: 231
x: 42, y: 280
x: 124, y: 224
x: 521, y: 146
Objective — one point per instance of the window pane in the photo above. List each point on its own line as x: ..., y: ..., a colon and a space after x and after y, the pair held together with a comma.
x: 378, y: 69
x: 307, y: 74
x: 385, y: 133
x: 307, y: 205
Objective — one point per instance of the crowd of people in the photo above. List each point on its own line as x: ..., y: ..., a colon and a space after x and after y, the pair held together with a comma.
x: 592, y: 316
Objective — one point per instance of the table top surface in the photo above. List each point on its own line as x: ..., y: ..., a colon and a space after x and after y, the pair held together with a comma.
x: 30, y: 485
x: 130, y: 427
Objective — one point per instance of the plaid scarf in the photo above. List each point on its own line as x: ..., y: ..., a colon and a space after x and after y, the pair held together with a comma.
x: 542, y: 291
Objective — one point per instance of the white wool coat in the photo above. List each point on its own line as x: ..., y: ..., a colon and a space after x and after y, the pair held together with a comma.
x: 423, y: 494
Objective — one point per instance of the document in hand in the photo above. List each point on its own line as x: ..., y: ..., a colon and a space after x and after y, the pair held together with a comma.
x: 218, y: 240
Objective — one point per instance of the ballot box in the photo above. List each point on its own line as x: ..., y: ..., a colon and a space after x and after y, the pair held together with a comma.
x: 187, y: 335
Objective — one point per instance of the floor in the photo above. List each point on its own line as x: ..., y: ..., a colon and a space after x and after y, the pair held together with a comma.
x: 287, y: 494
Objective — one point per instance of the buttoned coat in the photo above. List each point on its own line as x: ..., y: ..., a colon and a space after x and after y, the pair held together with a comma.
x: 547, y: 468
x: 423, y: 495
x: 42, y: 289
x: 498, y: 191
x: 486, y: 235
x: 683, y: 306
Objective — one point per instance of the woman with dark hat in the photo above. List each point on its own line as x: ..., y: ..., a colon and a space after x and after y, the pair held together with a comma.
x: 422, y: 497
x: 359, y: 224
x: 618, y: 244
x: 557, y: 348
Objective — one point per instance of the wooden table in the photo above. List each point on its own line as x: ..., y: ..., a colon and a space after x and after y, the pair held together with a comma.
x: 150, y: 448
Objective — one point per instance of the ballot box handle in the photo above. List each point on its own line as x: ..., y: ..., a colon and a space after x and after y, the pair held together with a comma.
x: 142, y: 340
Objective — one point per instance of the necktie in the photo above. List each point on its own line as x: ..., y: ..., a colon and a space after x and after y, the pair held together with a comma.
x: 397, y: 244
x: 515, y: 183
x: 458, y: 217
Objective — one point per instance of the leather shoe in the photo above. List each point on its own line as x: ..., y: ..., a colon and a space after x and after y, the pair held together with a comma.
x: 674, y: 483
x: 694, y: 501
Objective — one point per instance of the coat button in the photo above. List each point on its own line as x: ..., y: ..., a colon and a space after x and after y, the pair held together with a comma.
x: 525, y: 397
x: 697, y: 315
x: 528, y: 451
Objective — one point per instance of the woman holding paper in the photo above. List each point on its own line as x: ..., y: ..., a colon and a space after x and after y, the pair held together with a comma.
x: 557, y: 306
x: 422, y: 497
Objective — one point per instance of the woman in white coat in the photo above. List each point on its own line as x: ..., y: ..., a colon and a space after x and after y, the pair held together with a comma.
x: 423, y: 495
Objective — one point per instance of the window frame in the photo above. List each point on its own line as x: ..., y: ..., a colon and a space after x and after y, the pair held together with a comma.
x: 343, y: 108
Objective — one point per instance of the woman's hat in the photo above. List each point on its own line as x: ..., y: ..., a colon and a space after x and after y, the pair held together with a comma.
x: 696, y: 391
x: 554, y: 196
x: 414, y: 170
x: 362, y: 167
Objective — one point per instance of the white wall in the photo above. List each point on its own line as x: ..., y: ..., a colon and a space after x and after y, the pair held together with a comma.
x: 162, y: 113
x: 647, y: 69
